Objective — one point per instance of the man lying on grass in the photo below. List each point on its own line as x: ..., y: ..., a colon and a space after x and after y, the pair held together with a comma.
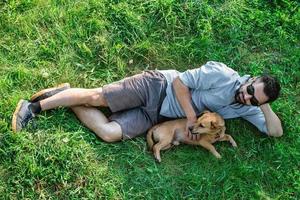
x: 141, y: 101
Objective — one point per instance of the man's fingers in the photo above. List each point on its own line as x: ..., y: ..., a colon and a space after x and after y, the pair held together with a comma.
x: 189, y: 129
x: 190, y: 135
x: 193, y: 136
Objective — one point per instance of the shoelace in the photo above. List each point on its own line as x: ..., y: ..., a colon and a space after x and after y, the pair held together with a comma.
x: 27, y: 118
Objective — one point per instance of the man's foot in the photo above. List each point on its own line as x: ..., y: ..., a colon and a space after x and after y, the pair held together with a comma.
x: 22, y: 116
x: 49, y: 92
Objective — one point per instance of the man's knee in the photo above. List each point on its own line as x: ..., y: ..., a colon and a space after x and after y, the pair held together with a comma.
x: 96, y: 98
x: 109, y: 139
x: 109, y: 132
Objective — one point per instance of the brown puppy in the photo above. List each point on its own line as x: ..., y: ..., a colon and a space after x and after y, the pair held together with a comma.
x: 210, y: 126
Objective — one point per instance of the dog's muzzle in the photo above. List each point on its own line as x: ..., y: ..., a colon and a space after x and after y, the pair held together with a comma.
x: 191, y: 130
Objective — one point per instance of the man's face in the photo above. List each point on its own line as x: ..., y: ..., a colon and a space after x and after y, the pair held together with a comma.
x: 251, y: 93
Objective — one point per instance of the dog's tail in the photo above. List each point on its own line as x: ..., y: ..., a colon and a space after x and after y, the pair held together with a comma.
x: 150, y: 138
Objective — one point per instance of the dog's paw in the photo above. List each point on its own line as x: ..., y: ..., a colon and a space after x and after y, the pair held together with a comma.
x: 218, y: 156
x: 234, y: 144
x: 157, y: 159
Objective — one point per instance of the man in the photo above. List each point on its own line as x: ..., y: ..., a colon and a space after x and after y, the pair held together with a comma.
x: 140, y: 101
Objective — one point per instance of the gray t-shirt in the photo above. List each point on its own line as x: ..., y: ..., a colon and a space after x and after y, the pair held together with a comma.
x: 212, y: 87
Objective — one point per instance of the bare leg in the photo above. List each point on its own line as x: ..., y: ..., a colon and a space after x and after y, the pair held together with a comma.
x: 96, y: 121
x: 75, y: 97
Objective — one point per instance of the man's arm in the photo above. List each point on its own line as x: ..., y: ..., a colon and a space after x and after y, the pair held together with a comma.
x: 184, y: 98
x: 273, y: 123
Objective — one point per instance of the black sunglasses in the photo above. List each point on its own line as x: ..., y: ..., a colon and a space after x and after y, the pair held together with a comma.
x: 251, y: 91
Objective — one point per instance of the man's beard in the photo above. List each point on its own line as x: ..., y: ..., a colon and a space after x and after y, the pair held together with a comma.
x: 237, y: 96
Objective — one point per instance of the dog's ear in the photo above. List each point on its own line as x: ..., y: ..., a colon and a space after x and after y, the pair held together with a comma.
x: 222, y: 132
x: 214, y: 125
x: 203, y: 112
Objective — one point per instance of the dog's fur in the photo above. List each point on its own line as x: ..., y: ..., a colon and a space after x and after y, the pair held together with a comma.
x: 210, y: 126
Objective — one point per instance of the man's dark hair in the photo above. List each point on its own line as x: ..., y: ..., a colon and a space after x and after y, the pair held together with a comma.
x: 271, y: 87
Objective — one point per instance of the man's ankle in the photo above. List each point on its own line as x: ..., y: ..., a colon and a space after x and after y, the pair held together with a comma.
x: 35, y: 108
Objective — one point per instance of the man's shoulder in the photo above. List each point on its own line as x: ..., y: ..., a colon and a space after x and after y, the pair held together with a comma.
x: 219, y: 70
x: 218, y: 67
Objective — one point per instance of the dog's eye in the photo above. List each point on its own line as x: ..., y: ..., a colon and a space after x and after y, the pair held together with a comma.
x: 200, y: 125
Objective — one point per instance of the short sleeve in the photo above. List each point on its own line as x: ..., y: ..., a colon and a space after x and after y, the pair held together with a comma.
x: 207, y: 76
x: 257, y: 119
x: 252, y: 114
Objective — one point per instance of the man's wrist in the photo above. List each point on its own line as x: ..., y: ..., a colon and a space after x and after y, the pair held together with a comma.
x: 192, y: 118
x: 264, y: 106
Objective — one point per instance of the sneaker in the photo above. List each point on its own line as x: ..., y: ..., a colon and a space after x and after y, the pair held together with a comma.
x: 22, y: 116
x: 49, y: 92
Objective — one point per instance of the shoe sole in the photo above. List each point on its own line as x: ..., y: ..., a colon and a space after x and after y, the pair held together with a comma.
x: 14, y: 118
x: 39, y: 94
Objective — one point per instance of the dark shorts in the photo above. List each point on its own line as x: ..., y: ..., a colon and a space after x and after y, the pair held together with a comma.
x: 135, y: 101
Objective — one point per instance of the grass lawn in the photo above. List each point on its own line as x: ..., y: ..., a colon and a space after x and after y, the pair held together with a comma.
x: 94, y: 42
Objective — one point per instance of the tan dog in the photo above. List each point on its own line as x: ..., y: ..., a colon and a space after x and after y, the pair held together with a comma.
x: 210, y: 126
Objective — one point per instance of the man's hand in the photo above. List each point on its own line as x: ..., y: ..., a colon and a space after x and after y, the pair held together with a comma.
x: 189, y: 127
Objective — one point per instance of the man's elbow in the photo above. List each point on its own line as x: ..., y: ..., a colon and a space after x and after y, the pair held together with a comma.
x: 278, y: 133
x: 275, y: 130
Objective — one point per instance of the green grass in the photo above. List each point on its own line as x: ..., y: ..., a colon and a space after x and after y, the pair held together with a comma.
x: 91, y: 43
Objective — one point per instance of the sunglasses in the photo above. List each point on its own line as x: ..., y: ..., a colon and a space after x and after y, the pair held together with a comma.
x: 251, y: 91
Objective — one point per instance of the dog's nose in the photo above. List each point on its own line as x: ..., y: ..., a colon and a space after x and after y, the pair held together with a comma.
x: 191, y: 129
